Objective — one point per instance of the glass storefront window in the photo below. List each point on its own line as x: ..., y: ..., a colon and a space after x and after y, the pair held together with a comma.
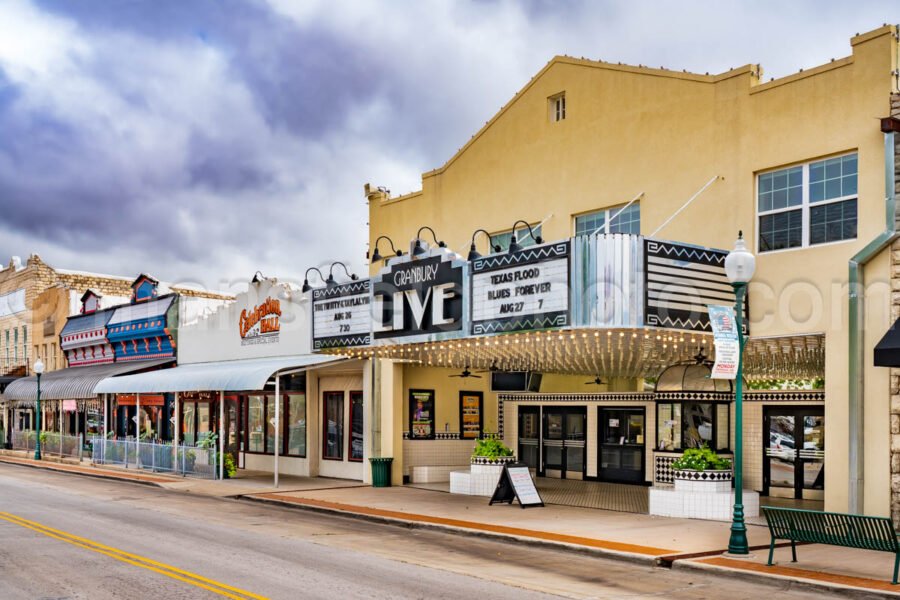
x: 270, y: 424
x: 203, y: 423
x: 188, y: 421
x: 333, y: 423
x: 256, y: 417
x: 356, y: 426
x: 296, y: 435
x: 683, y: 425
x: 668, y: 426
x: 697, y: 424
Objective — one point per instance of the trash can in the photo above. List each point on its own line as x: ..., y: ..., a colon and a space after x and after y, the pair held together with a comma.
x: 381, y: 471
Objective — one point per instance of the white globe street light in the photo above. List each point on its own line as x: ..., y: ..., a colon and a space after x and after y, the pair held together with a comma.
x: 739, y: 267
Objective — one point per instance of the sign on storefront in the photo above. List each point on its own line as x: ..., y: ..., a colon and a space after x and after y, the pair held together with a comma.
x: 419, y: 297
x: 342, y: 316
x: 725, y: 338
x: 522, y: 291
x: 262, y: 324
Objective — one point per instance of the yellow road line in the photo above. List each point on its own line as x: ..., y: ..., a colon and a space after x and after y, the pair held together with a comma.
x: 134, y: 559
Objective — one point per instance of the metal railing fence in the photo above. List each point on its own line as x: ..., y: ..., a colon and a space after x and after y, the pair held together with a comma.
x: 51, y: 443
x: 159, y: 457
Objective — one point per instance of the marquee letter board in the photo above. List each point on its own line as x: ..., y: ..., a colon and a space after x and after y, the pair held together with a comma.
x: 521, y: 291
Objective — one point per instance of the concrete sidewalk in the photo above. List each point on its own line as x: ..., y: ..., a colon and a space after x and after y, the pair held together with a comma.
x: 679, y: 543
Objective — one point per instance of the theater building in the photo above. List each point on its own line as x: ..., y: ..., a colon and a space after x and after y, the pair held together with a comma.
x: 578, y: 333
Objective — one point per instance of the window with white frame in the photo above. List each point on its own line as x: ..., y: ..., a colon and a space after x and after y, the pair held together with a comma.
x: 810, y: 204
x: 558, y: 107
x: 523, y: 237
x: 610, y: 220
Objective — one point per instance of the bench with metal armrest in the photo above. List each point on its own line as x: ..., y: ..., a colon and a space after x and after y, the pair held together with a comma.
x: 835, y: 529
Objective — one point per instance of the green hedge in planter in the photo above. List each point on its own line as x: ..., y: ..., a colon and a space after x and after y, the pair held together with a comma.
x: 701, y: 459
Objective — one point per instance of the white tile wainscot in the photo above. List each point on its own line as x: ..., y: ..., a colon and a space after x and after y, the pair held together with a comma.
x: 479, y: 480
x: 695, y: 500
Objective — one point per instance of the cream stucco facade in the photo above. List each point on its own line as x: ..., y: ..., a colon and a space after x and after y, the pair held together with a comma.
x: 663, y: 136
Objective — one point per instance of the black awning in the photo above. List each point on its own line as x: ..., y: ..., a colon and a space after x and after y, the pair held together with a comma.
x: 887, y: 351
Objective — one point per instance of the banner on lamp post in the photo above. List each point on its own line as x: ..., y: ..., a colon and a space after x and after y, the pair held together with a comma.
x: 725, y: 337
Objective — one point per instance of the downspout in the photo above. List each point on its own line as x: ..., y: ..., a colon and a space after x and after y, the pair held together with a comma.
x: 856, y: 406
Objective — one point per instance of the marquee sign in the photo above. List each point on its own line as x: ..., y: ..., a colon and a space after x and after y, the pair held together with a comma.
x: 525, y: 290
x: 681, y: 280
x: 419, y: 297
x: 261, y: 325
x: 341, y: 316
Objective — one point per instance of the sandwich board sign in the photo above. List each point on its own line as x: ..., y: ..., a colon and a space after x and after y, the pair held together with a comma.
x: 516, y: 484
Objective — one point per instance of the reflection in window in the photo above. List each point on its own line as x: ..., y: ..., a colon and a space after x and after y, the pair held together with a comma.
x: 256, y: 416
x: 356, y: 426
x: 296, y: 415
x: 334, y: 425
x: 698, y: 425
x: 189, y: 422
x: 668, y: 426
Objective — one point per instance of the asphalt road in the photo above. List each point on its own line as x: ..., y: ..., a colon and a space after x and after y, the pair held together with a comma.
x: 67, y: 536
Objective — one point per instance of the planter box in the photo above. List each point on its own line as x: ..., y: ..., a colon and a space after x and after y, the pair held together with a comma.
x: 713, y: 482
x: 481, y: 478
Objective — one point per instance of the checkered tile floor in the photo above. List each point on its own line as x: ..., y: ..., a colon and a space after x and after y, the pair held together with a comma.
x: 584, y: 494
x: 594, y: 494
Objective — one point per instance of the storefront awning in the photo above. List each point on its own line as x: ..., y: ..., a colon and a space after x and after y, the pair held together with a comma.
x: 887, y: 351
x: 229, y: 376
x: 74, y: 383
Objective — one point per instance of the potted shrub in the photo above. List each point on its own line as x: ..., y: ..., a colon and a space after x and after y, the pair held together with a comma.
x: 702, y: 469
x: 491, y: 451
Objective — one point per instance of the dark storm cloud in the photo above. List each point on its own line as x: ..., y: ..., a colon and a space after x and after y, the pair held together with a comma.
x: 213, y: 137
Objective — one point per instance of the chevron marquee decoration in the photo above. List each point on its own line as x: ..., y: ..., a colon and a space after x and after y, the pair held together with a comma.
x: 522, y: 291
x: 681, y: 280
x: 341, y: 316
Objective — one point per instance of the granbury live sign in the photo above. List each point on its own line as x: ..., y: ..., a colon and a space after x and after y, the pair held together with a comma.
x: 419, y: 297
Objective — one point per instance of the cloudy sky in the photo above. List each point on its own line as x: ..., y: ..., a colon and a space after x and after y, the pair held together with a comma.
x: 202, y: 140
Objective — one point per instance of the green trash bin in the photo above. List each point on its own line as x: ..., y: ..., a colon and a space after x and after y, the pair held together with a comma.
x: 381, y: 471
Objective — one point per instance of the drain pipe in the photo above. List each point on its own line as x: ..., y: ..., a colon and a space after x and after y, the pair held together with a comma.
x: 856, y: 405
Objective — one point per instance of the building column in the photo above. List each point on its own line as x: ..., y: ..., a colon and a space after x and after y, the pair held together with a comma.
x: 895, y: 314
x: 392, y: 399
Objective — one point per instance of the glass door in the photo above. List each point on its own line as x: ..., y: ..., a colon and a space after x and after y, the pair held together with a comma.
x: 794, y: 460
x: 622, y: 445
x: 564, y: 441
x: 576, y: 421
x: 234, y: 431
x: 530, y: 436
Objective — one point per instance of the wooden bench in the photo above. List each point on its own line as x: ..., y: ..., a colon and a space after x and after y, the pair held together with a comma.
x: 835, y: 529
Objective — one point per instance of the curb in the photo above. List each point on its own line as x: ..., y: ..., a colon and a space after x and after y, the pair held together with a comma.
x: 802, y: 583
x: 630, y: 557
x: 98, y: 475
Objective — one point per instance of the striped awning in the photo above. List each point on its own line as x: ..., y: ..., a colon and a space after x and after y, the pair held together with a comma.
x: 74, y: 383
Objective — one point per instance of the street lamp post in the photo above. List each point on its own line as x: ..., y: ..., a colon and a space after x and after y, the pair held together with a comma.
x: 38, y: 370
x: 739, y: 267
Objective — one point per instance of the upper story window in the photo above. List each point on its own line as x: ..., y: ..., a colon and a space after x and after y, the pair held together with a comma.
x: 558, y: 107
x: 523, y: 237
x: 610, y: 220
x: 810, y: 204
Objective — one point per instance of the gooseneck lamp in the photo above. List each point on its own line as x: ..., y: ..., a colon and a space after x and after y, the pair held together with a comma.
x: 330, y: 282
x: 418, y: 250
x: 38, y: 370
x: 739, y: 267
x: 473, y: 252
x: 514, y: 246
x: 376, y: 255
x: 306, y: 287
